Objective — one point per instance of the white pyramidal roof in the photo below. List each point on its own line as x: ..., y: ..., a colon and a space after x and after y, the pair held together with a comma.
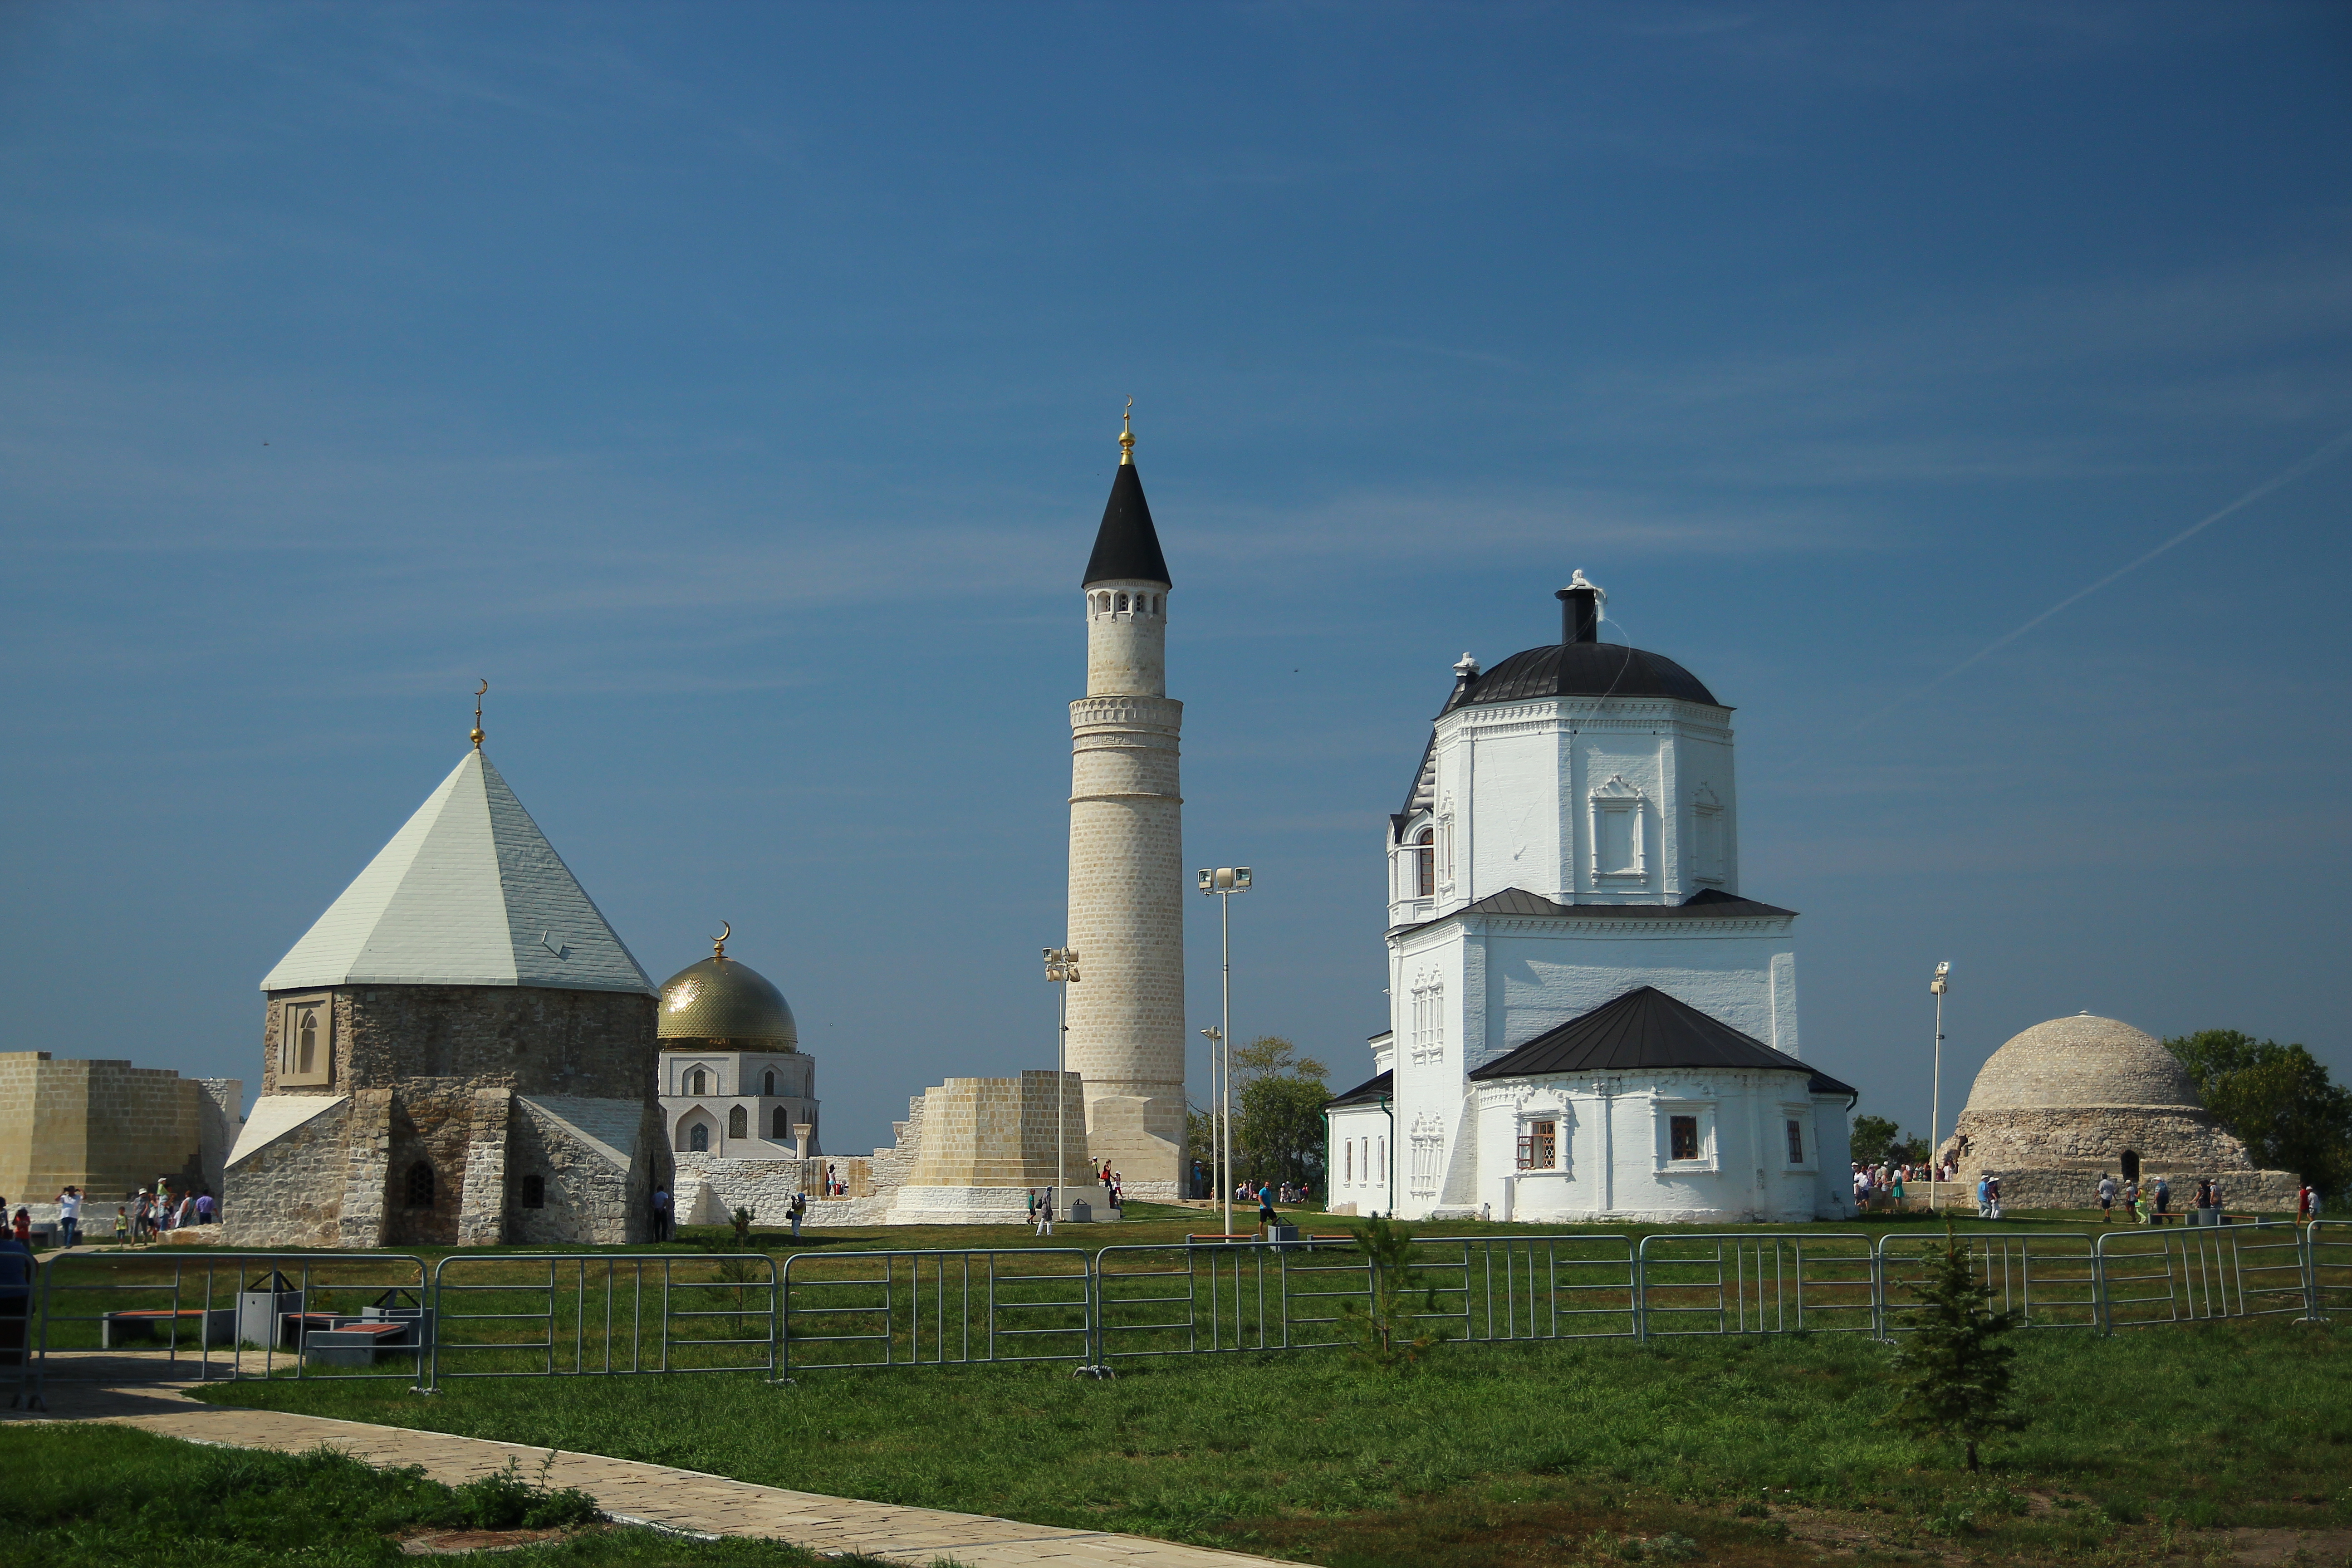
x: 468, y: 893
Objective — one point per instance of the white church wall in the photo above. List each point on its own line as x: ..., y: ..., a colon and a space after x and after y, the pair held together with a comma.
x: 1359, y: 1156
x: 1535, y: 982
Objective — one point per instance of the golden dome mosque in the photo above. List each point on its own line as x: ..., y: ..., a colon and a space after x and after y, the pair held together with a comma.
x: 2071, y: 1100
x: 734, y: 1080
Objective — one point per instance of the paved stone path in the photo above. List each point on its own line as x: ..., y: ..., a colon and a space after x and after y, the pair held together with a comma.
x: 645, y: 1494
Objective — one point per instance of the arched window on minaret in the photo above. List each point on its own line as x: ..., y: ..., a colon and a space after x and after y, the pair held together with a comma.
x: 770, y: 1083
x: 738, y: 1124
x: 1424, y: 857
x: 782, y: 1125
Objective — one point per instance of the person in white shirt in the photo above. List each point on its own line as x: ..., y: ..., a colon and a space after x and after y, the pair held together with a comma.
x: 69, y: 1216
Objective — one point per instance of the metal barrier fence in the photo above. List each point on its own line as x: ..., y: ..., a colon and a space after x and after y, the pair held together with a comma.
x: 935, y: 1308
x: 1748, y: 1282
x: 576, y: 1314
x: 2175, y: 1274
x: 2327, y: 1268
x: 124, y: 1316
x: 155, y: 1315
x: 2050, y: 1278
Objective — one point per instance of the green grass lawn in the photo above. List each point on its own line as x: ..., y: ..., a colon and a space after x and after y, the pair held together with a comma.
x: 1751, y: 1449
x: 109, y: 1497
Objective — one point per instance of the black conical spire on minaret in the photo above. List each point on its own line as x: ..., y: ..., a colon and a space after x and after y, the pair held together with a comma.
x: 1127, y: 547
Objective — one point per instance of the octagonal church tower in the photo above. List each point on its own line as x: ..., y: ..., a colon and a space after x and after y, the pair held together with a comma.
x: 1127, y: 854
x: 459, y: 1051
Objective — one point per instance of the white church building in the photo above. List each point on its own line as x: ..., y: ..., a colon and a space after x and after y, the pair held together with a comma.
x: 1588, y: 1020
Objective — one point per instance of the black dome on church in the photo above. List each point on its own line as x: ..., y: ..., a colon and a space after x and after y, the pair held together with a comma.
x: 1583, y: 669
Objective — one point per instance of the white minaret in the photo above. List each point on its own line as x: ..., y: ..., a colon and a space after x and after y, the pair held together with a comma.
x: 1127, y: 855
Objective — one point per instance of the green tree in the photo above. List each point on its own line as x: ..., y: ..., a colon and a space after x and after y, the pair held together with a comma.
x: 2277, y: 1099
x: 1953, y: 1369
x: 1873, y: 1138
x: 1278, y: 1130
x: 1386, y: 1326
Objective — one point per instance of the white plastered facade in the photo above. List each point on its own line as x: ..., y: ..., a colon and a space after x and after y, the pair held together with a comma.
x: 1615, y: 812
x: 743, y: 1104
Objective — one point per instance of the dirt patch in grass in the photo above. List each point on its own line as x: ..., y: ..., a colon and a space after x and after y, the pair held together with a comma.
x: 1453, y: 1532
x: 450, y: 1542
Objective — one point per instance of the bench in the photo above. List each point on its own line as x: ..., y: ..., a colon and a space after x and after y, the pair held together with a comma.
x: 215, y: 1327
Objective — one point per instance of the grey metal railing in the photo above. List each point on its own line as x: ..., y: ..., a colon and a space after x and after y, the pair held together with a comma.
x: 2051, y: 1279
x: 570, y: 1314
x: 919, y: 1308
x: 124, y: 1315
x: 127, y: 1315
x: 1745, y: 1282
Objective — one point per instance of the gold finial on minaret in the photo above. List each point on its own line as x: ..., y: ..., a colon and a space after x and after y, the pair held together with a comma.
x: 718, y: 943
x: 477, y: 712
x: 1127, y: 437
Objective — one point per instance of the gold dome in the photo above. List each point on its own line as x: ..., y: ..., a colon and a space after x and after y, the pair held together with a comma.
x: 719, y: 999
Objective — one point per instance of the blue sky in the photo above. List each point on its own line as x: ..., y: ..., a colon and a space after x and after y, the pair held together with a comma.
x: 735, y: 387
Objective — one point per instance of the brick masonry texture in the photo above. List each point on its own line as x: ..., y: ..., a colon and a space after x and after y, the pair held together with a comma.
x: 108, y: 1128
x: 1126, y: 893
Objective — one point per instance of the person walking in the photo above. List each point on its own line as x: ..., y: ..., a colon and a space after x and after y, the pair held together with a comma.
x: 2107, y: 1198
x: 1045, y: 1214
x: 2163, y: 1194
x: 1265, y: 1214
x: 798, y: 1207
x: 205, y: 1206
x: 122, y: 1226
x: 661, y: 1214
x: 69, y: 1216
x: 1992, y: 1197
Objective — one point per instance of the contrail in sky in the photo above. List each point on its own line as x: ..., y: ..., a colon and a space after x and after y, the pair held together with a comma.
x: 2315, y: 460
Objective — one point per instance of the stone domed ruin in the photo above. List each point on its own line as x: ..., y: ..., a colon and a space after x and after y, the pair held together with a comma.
x: 2073, y: 1098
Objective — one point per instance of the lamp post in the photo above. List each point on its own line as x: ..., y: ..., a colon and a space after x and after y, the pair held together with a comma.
x: 1935, y: 1094
x: 1061, y: 972
x: 1224, y: 883
x: 1215, y: 1036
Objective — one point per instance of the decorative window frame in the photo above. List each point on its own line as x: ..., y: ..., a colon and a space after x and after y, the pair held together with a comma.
x: 1709, y: 1159
x: 1802, y: 1115
x: 1710, y: 852
x: 1523, y: 1133
x: 1425, y: 1038
x: 322, y: 1073
x: 1609, y: 799
x: 1427, y: 1171
x: 1445, y: 848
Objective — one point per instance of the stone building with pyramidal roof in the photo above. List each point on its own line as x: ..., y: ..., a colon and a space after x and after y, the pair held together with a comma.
x: 460, y: 1051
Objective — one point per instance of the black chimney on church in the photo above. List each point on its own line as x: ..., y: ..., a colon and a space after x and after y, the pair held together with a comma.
x: 1580, y: 613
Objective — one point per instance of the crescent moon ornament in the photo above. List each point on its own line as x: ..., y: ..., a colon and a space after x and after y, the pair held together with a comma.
x: 718, y: 943
x: 478, y: 711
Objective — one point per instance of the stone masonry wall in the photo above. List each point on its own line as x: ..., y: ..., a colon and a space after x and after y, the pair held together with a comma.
x: 2053, y: 1158
x: 106, y: 1126
x: 533, y: 1040
x: 290, y: 1193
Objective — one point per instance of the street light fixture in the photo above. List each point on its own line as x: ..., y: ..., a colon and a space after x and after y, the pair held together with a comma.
x: 1061, y: 972
x: 1224, y: 883
x: 1935, y: 1093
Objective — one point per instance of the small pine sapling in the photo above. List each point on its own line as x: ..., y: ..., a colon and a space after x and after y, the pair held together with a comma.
x: 1953, y: 1368
x: 1386, y: 1327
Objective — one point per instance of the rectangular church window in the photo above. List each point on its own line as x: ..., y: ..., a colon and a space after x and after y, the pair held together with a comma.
x: 1539, y: 1149
x: 306, y: 1042
x: 1616, y: 842
x: 1796, y: 1141
x: 1682, y: 1132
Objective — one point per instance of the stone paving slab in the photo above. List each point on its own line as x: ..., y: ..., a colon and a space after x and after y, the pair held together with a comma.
x: 646, y: 1494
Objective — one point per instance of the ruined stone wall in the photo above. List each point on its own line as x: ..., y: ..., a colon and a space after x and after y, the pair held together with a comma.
x: 290, y: 1193
x: 2050, y: 1158
x: 594, y: 1043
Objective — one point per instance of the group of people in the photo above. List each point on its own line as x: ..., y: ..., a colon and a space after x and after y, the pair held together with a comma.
x: 151, y: 1212
x: 1889, y: 1182
x: 1285, y: 1192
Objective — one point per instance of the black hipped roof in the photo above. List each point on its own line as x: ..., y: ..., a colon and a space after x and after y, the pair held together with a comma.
x: 1647, y: 1030
x: 1127, y: 547
x: 1372, y: 1091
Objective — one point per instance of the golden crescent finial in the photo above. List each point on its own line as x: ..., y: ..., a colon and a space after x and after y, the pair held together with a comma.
x: 1127, y: 435
x: 478, y: 711
x: 718, y: 943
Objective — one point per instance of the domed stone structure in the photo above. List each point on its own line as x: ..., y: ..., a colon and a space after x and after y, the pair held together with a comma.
x: 735, y: 1083
x: 2071, y: 1100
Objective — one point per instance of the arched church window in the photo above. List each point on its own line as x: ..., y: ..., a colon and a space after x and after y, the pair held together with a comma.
x: 784, y: 1126
x: 306, y: 1054
x: 739, y: 1125
x: 696, y: 1083
x: 1121, y: 603
x: 697, y: 1137
x: 771, y: 1082
x: 420, y: 1185
x: 534, y: 1192
x: 1425, y: 857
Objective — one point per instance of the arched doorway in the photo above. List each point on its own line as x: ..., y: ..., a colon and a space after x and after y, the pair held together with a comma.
x: 2131, y: 1165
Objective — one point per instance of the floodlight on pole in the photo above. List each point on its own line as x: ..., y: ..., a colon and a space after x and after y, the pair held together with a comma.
x: 1061, y: 972
x: 1224, y: 883
x: 1935, y: 1092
